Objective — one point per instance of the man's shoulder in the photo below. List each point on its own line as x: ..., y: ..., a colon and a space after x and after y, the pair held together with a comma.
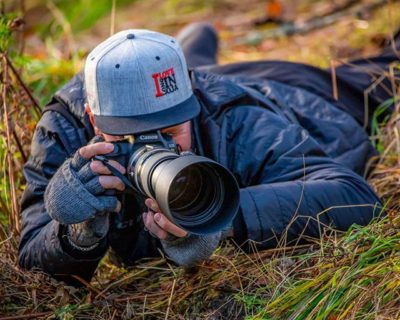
x: 73, y: 97
x: 216, y: 90
x: 265, y: 69
x: 64, y: 118
x: 220, y: 93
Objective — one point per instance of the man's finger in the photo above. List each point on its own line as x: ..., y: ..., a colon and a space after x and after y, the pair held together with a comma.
x: 91, y: 150
x: 99, y: 168
x: 111, y: 204
x: 163, y: 222
x: 118, y: 207
x: 152, y: 204
x: 152, y: 226
x: 111, y: 182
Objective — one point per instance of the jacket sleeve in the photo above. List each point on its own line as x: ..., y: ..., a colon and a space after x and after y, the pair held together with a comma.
x: 42, y: 245
x: 290, y: 188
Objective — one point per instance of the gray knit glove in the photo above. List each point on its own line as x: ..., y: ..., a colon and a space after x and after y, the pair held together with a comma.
x: 75, y: 197
x: 74, y: 194
x: 192, y: 250
x: 88, y: 233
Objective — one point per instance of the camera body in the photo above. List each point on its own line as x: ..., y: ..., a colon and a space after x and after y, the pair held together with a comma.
x: 138, y: 144
x: 195, y: 192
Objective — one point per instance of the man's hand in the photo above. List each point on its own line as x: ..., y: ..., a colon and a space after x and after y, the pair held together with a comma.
x: 77, y: 191
x: 158, y: 224
x: 76, y: 195
x: 107, y: 180
x: 189, y: 250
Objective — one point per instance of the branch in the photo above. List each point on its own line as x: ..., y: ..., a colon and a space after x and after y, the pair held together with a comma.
x: 14, y: 202
x: 23, y: 85
x: 291, y: 28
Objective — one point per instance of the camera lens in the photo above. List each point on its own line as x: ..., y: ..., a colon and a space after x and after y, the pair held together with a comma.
x: 194, y: 192
x: 191, y: 191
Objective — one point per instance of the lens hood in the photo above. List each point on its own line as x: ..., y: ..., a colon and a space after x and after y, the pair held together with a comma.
x: 196, y: 193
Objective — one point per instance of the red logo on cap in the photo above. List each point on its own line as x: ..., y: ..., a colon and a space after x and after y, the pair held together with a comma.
x: 165, y: 82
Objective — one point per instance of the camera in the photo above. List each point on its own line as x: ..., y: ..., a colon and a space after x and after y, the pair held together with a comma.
x: 194, y: 192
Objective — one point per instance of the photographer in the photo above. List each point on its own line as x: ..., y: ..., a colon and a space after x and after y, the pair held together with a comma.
x: 293, y: 149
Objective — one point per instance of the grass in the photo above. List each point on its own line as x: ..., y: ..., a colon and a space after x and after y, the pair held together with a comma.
x: 354, y: 281
x: 355, y: 276
x: 351, y: 275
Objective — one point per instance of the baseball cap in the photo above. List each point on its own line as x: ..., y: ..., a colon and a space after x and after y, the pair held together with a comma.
x: 137, y: 81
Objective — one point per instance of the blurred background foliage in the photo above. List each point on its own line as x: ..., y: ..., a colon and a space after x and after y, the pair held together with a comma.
x: 55, y: 35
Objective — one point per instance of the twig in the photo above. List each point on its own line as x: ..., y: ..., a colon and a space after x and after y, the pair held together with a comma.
x: 65, y: 25
x: 140, y: 297
x: 114, y: 313
x: 366, y: 98
x: 19, y: 145
x: 4, y: 207
x: 335, y: 92
x: 112, y: 24
x: 144, y: 306
x: 21, y: 41
x: 88, y: 285
x: 14, y: 207
x: 21, y: 82
x: 288, y: 29
x: 28, y: 316
x: 170, y: 299
x: 392, y: 42
x: 17, y: 102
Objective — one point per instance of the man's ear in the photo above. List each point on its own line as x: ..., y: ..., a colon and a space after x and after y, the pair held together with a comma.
x: 90, y: 114
x: 91, y: 118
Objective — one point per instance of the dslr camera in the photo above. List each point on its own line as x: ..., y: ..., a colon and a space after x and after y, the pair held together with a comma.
x: 194, y: 192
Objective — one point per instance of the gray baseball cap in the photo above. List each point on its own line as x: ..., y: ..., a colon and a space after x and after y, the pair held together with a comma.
x: 137, y: 81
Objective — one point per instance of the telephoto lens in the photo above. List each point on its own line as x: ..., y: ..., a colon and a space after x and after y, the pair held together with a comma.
x: 194, y: 192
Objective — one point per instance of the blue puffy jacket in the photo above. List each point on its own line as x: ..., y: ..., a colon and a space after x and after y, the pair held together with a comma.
x: 297, y: 155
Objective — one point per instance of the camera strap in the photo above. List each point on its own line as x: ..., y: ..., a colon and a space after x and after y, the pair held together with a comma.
x: 115, y: 172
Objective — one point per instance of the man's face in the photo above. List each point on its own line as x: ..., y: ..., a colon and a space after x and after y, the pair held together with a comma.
x: 180, y: 133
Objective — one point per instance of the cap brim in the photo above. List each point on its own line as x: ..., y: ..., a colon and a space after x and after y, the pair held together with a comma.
x: 175, y: 115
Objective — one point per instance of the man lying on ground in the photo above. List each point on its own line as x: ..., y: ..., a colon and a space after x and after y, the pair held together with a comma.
x: 297, y: 153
